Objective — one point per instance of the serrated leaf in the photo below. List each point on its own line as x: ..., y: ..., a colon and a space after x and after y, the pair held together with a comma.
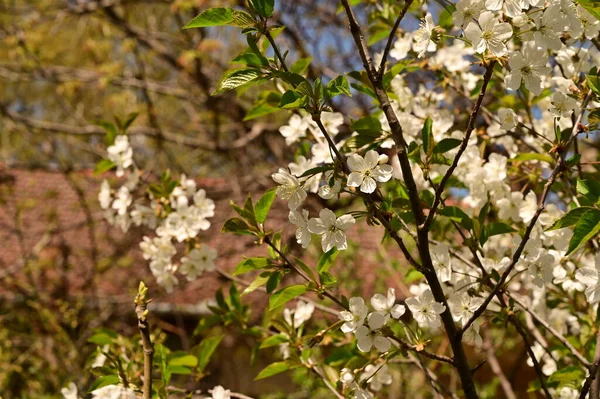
x: 263, y: 205
x: 285, y: 295
x: 219, y: 16
x: 570, y: 218
x: 338, y: 86
x: 264, y: 8
x: 234, y: 79
x: 586, y: 228
x: 292, y: 99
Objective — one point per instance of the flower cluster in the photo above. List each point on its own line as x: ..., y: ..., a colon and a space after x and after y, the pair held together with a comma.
x: 176, y: 216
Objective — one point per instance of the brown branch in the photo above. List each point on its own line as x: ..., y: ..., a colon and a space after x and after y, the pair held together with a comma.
x: 551, y: 330
x: 172, y: 137
x: 497, y: 369
x: 141, y: 311
x: 391, y: 38
x: 560, y: 166
x: 460, y: 359
x: 463, y: 146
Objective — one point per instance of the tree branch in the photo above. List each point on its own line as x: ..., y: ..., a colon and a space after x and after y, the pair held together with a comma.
x: 141, y: 310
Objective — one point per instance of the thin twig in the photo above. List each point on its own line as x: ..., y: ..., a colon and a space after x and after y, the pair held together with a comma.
x: 392, y: 36
x: 141, y: 310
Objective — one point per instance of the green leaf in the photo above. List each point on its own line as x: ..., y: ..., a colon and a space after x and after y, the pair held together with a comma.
x: 568, y: 376
x: 180, y: 370
x: 111, y: 131
x: 327, y: 279
x: 317, y: 169
x: 103, y: 337
x: 338, y: 86
x: 368, y: 125
x: 393, y: 71
x: 497, y: 228
x: 570, y: 218
x: 103, y: 166
x: 104, y: 381
x: 593, y: 82
x: 292, y: 99
x: 264, y: 8
x: 274, y: 340
x: 220, y: 16
x: 129, y: 120
x: 251, y: 59
x: 285, y: 295
x: 591, y: 6
x: 533, y: 157
x: 242, y: 19
x: 205, y: 350
x: 263, y: 205
x: 234, y: 297
x: 273, y: 369
x: 446, y: 145
x: 250, y: 264
x: 586, y: 228
x: 234, y: 79
x: 184, y: 360
x: 259, y: 281
x: 236, y: 226
x: 327, y: 260
x: 273, y: 281
x: 458, y: 215
x: 590, y: 189
x: 265, y: 105
x: 427, y: 136
x: 301, y: 65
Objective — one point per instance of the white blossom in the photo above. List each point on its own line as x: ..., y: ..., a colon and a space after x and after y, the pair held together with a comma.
x: 121, y: 154
x: 366, y: 172
x: 387, y: 305
x: 104, y: 196
x: 370, y: 336
x: 426, y: 310
x: 300, y: 220
x: 219, y: 392
x: 295, y: 129
x: 376, y: 376
x: 355, y: 316
x: 590, y: 277
x: 489, y: 34
x: 114, y: 392
x: 527, y: 65
x: 198, y: 261
x: 424, y: 36
x: 290, y: 189
x: 331, y: 229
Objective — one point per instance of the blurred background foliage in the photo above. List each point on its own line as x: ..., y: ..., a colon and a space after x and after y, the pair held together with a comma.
x: 67, y: 65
